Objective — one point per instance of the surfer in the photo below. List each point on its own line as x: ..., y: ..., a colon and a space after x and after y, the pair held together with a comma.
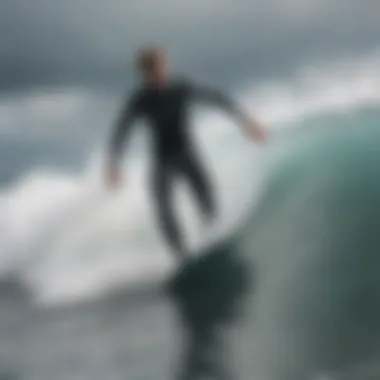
x: 163, y: 101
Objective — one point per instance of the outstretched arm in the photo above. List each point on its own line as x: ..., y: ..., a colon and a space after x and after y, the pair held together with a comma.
x: 252, y: 127
x: 119, y: 136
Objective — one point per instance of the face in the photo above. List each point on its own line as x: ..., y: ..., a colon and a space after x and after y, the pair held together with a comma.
x: 159, y: 73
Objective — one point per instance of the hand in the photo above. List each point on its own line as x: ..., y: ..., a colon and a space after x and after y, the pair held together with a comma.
x: 113, y: 177
x: 256, y: 131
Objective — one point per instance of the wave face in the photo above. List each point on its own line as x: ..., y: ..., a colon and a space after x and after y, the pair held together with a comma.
x: 68, y: 239
x: 316, y: 241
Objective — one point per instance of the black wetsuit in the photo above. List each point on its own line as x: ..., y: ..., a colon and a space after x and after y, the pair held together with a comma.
x: 165, y: 110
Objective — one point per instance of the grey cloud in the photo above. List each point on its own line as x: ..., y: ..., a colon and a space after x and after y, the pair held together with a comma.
x: 48, y: 42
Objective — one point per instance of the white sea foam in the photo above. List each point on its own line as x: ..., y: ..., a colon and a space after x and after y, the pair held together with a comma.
x: 69, y: 238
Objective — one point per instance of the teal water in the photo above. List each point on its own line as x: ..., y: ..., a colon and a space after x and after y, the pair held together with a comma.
x: 316, y: 239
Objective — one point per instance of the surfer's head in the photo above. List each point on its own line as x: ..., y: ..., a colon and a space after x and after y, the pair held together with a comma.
x: 152, y: 64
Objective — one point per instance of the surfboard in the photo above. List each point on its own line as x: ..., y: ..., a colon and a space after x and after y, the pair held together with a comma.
x: 213, y: 283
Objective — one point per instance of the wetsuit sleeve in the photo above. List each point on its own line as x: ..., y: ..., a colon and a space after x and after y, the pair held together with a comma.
x: 123, y: 126
x: 217, y: 97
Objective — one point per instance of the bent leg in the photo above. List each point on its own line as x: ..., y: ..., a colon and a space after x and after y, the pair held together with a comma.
x: 162, y: 191
x: 199, y: 181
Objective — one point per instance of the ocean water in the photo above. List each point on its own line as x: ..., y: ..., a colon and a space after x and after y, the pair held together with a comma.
x: 316, y: 240
x: 289, y: 292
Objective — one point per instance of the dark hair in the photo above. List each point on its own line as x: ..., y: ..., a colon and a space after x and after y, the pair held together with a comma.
x: 148, y: 57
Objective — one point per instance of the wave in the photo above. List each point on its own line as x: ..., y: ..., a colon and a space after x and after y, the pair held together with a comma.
x: 316, y: 244
x: 69, y: 239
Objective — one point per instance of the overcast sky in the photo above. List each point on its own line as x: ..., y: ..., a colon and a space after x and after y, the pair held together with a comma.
x: 91, y: 42
x: 64, y: 64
